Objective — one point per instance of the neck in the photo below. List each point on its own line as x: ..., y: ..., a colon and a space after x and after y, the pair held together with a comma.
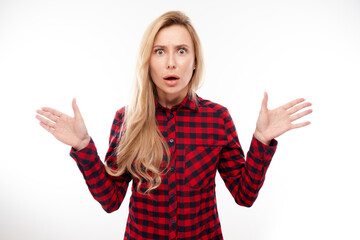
x: 170, y: 101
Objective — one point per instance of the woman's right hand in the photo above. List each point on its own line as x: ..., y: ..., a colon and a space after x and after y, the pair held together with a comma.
x: 69, y: 130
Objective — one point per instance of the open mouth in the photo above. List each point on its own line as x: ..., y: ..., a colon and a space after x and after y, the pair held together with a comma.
x: 171, y: 80
x: 171, y: 77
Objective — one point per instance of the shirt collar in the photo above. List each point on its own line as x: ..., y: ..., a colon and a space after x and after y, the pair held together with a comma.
x: 188, y: 102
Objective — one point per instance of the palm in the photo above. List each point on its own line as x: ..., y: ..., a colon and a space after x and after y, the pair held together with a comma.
x: 68, y: 130
x: 273, y: 123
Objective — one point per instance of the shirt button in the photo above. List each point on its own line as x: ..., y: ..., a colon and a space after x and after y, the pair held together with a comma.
x: 172, y: 169
x: 171, y: 140
x: 172, y: 220
x: 171, y: 115
x: 172, y: 194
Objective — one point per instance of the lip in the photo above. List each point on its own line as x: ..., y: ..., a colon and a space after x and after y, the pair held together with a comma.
x: 171, y: 77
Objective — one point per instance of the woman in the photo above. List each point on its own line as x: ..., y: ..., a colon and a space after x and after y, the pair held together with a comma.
x: 170, y: 142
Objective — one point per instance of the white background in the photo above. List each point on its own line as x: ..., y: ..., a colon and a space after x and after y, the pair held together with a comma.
x: 52, y: 51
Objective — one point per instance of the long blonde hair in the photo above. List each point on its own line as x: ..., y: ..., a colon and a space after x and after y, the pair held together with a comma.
x: 142, y: 146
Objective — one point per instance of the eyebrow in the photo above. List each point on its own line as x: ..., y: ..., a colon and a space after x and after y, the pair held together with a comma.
x: 177, y: 46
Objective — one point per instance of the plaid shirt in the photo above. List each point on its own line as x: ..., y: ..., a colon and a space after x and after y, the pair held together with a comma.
x: 202, y: 139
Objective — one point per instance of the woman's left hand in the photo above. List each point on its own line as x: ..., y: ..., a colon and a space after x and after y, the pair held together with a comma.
x: 273, y: 123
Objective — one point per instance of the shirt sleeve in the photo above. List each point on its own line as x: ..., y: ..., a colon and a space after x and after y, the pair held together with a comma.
x: 109, y: 191
x: 243, y: 177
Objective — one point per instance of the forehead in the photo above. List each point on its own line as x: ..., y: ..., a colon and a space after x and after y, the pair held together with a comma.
x: 173, y: 35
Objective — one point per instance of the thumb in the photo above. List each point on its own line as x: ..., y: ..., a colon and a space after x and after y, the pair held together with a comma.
x: 75, y: 108
x: 265, y: 101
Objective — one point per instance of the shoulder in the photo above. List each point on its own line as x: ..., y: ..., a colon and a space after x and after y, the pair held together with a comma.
x: 121, y: 111
x: 119, y: 116
x: 210, y: 106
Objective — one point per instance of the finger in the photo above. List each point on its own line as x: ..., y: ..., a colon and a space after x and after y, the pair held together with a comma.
x: 299, y: 125
x: 76, y: 109
x: 45, y: 121
x: 49, y: 115
x: 52, y: 111
x: 298, y: 108
x: 300, y: 115
x: 47, y: 128
x: 265, y: 100
x: 293, y: 103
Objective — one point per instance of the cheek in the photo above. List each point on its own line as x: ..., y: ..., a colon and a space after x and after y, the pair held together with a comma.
x: 188, y: 66
x: 155, y: 66
x: 186, y: 63
x: 153, y: 70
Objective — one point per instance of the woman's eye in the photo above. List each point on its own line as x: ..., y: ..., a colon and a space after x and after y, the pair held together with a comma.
x: 182, y: 51
x: 159, y: 51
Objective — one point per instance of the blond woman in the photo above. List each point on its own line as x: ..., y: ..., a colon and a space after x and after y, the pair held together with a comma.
x: 170, y: 142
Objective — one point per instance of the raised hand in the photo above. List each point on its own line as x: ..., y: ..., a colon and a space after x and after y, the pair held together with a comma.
x: 273, y: 123
x: 69, y: 130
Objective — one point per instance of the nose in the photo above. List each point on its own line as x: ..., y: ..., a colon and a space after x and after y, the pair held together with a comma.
x: 171, y: 61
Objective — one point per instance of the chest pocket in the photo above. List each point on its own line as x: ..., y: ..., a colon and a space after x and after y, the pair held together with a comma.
x: 200, y: 165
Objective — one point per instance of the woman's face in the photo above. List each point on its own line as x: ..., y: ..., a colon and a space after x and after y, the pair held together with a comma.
x: 172, y: 63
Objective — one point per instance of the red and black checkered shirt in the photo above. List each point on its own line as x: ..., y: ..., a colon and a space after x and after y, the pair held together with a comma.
x: 202, y: 139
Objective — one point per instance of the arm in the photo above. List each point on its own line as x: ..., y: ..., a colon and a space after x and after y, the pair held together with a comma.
x: 243, y: 178
x: 109, y: 191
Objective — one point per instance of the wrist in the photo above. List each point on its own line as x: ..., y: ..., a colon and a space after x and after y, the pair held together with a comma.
x: 82, y: 143
x: 260, y: 137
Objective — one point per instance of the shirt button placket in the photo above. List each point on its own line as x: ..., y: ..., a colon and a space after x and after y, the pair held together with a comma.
x: 172, y: 176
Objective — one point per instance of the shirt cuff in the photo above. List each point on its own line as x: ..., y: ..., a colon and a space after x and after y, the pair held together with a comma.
x: 263, y: 151
x: 85, y: 155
